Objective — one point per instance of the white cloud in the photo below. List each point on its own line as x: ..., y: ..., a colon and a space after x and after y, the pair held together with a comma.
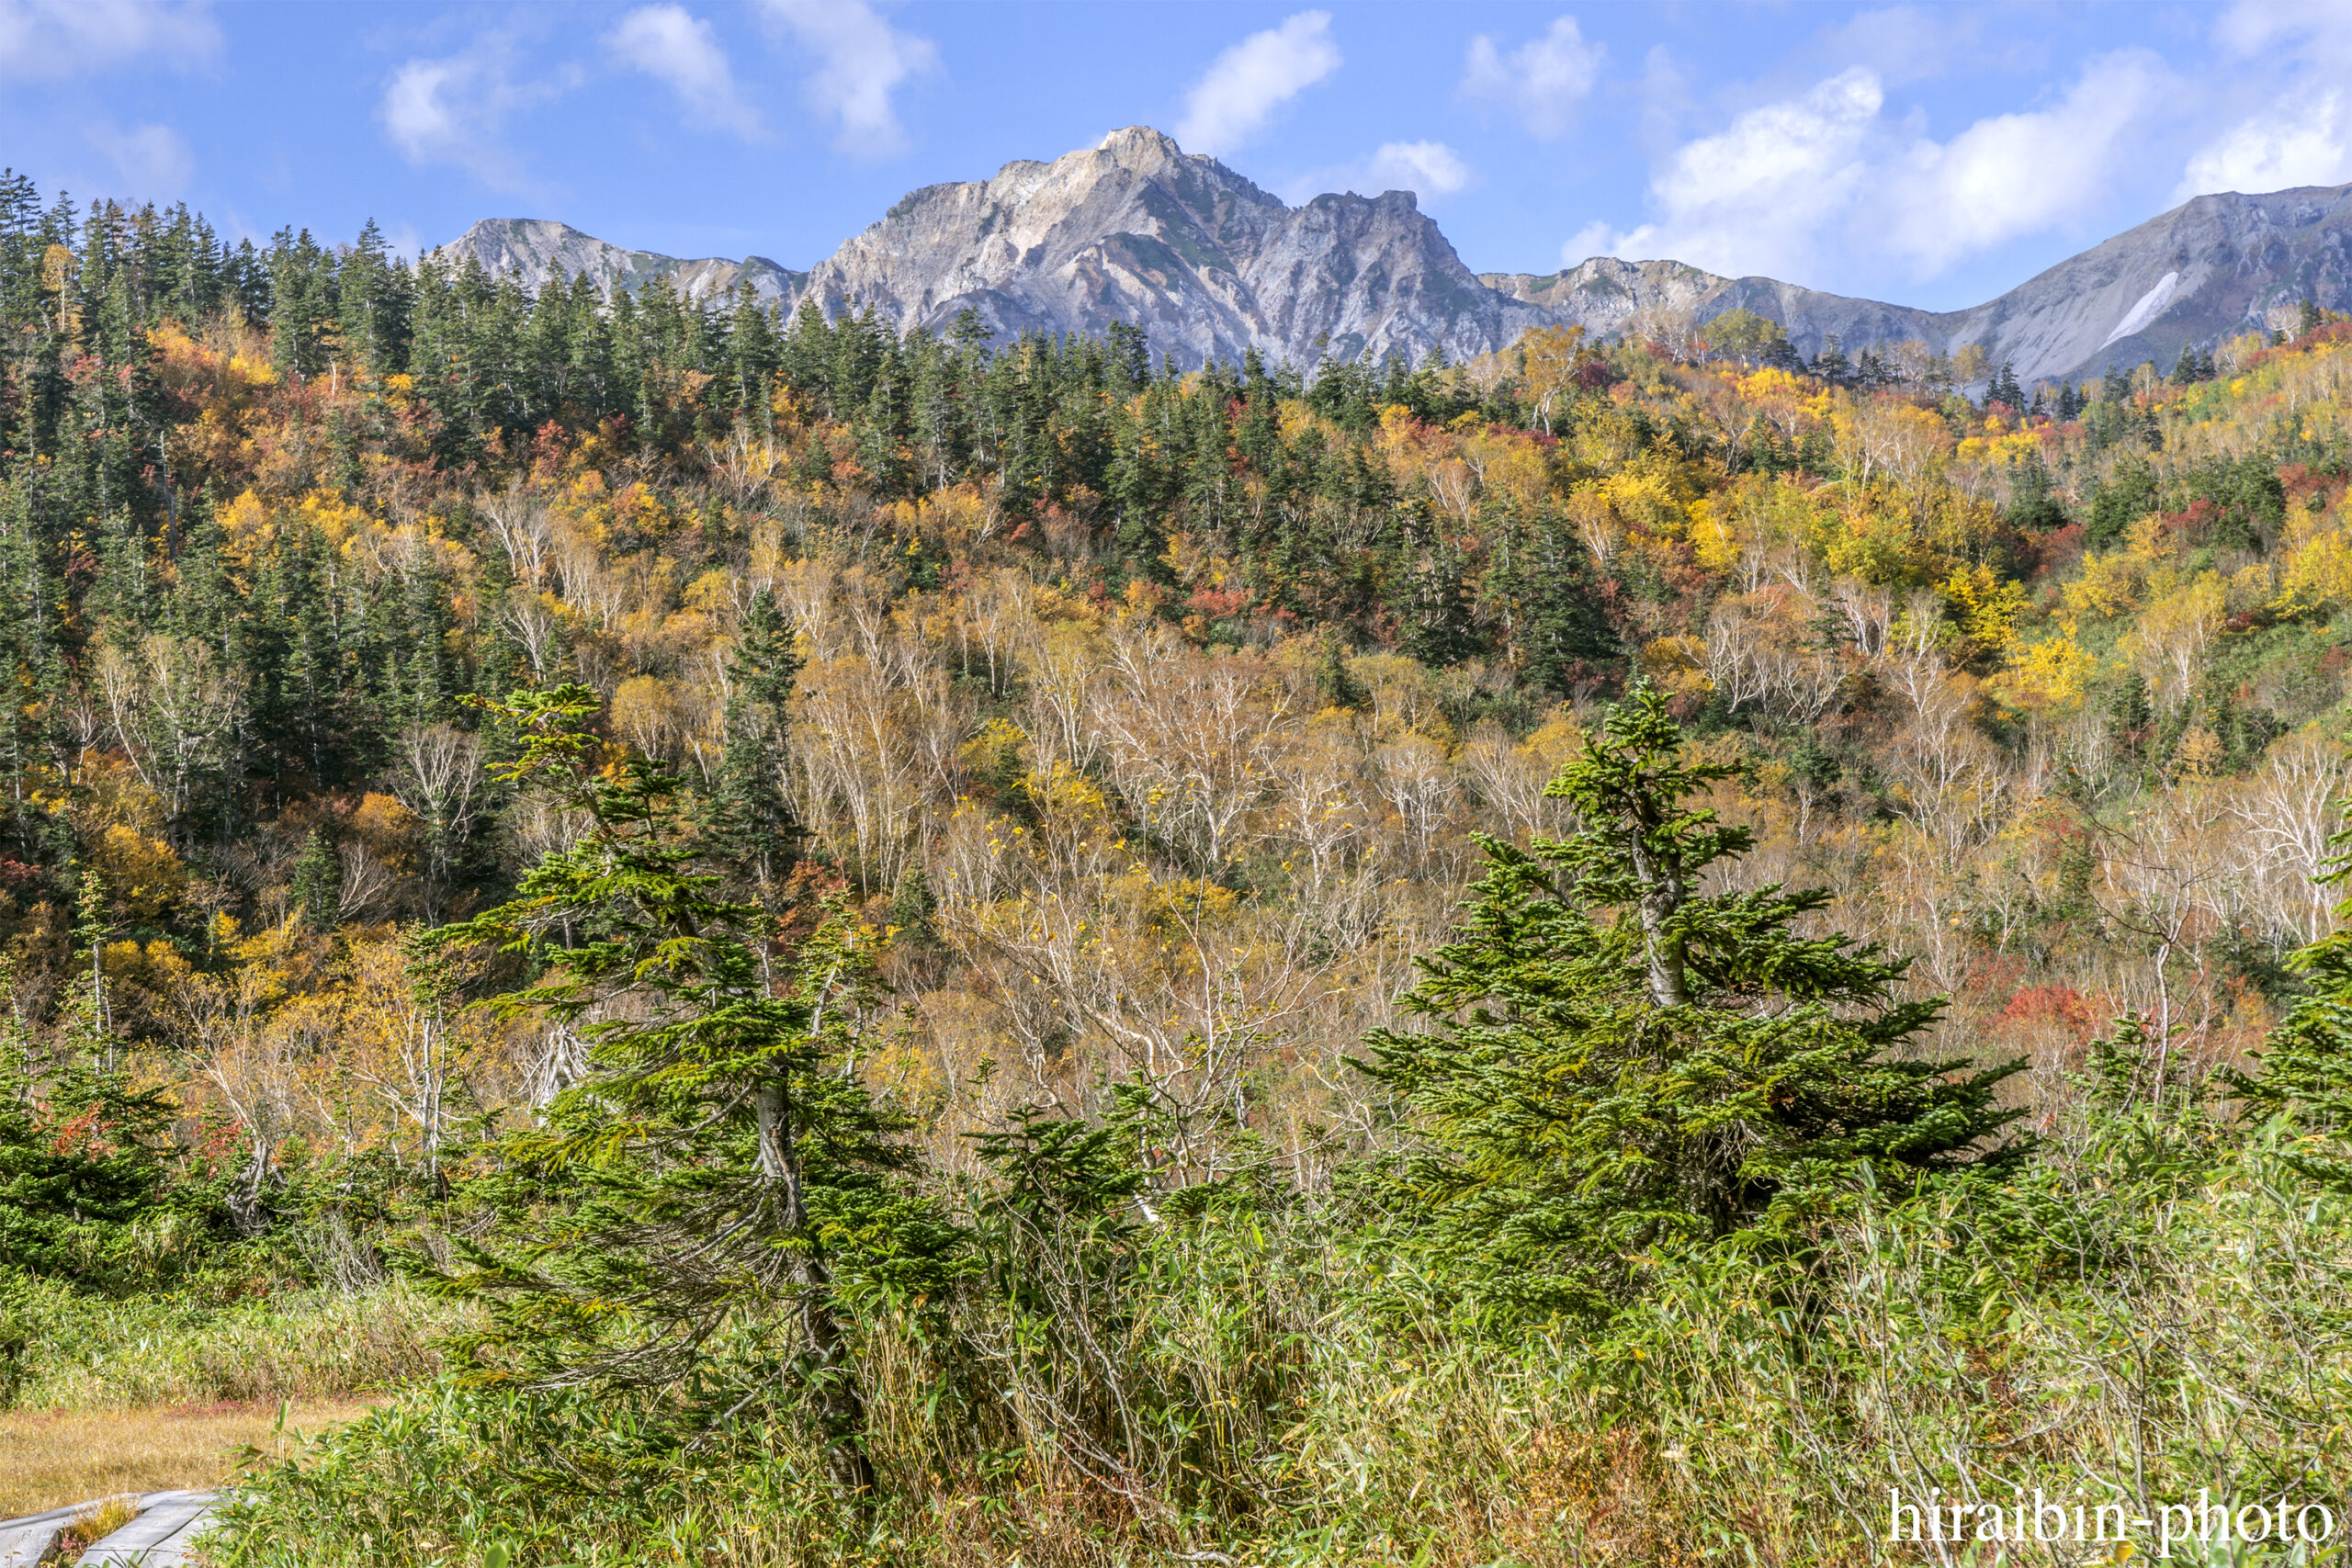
x: 1425, y: 168
x: 1595, y: 239
x: 2020, y: 174
x: 2312, y: 147
x: 1541, y: 81
x: 674, y: 47
x: 1752, y: 196
x: 1794, y: 187
x: 1428, y: 169
x: 48, y: 40
x: 861, y: 60
x: 2256, y: 26
x: 454, y: 111
x: 1244, y: 85
x: 152, y: 160
x: 2303, y: 134
x: 1664, y: 97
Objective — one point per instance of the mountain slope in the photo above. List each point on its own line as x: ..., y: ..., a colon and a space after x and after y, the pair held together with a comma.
x: 2209, y: 269
x: 2200, y: 273
x: 535, y: 250
x: 1136, y: 230
x: 2213, y: 267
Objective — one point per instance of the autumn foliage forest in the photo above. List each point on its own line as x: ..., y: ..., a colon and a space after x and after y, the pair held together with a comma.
x: 1089, y: 749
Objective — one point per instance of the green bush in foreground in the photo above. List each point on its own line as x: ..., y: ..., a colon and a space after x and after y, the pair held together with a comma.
x: 1319, y: 1404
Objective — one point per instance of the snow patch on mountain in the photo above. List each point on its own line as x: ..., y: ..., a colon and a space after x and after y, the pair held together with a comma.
x: 2140, y: 315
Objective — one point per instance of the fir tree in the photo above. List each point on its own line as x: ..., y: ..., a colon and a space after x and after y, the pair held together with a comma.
x: 1335, y: 683
x: 1618, y: 1064
x: 2033, y: 499
x: 1562, y: 632
x: 2129, y: 715
x: 913, y: 910
x: 750, y: 825
x: 318, y: 882
x: 1427, y: 596
x: 1831, y: 364
x: 723, y: 1176
x: 2127, y: 494
x: 82, y: 1153
x: 2004, y: 388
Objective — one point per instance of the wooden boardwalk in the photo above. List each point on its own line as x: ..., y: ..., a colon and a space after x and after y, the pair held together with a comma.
x: 158, y: 1537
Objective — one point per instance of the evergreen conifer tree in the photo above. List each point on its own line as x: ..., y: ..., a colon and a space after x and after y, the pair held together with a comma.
x: 1831, y: 364
x: 1620, y: 1064
x: 2003, y: 387
x: 1426, y: 593
x: 1562, y: 632
x: 82, y: 1152
x: 1334, y: 681
x: 748, y: 824
x: 720, y: 1177
x: 318, y: 882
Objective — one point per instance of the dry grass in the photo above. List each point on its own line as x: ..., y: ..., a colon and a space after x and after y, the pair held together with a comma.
x: 92, y: 1525
x: 47, y: 1460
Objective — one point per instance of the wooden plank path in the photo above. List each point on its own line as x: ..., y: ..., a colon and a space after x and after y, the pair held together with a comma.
x: 23, y: 1541
x: 158, y: 1537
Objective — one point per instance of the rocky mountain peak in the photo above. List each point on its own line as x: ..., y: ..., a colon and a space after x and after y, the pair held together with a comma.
x: 1144, y: 149
x: 1136, y: 230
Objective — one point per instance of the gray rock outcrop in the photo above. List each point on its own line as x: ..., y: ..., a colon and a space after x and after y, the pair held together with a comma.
x: 536, y: 251
x: 1209, y: 265
x: 1136, y: 230
x: 2209, y: 269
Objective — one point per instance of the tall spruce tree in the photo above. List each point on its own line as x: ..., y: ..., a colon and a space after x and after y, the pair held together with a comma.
x: 682, y: 1233
x: 748, y: 824
x: 1620, y: 1064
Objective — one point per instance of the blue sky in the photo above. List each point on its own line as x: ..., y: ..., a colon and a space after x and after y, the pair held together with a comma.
x: 1930, y: 154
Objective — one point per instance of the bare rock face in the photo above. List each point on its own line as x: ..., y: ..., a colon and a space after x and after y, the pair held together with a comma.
x: 2209, y: 269
x: 1134, y: 231
x: 1604, y: 294
x: 536, y: 251
x: 1210, y: 266
x: 2215, y: 267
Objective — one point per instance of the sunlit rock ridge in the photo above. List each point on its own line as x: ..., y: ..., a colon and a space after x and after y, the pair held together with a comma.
x: 1209, y: 265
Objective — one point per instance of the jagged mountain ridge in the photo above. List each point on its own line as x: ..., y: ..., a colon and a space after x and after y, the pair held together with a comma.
x: 1207, y: 262
x: 1134, y: 229
x: 1210, y: 265
x: 2212, y: 267
x: 535, y: 250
